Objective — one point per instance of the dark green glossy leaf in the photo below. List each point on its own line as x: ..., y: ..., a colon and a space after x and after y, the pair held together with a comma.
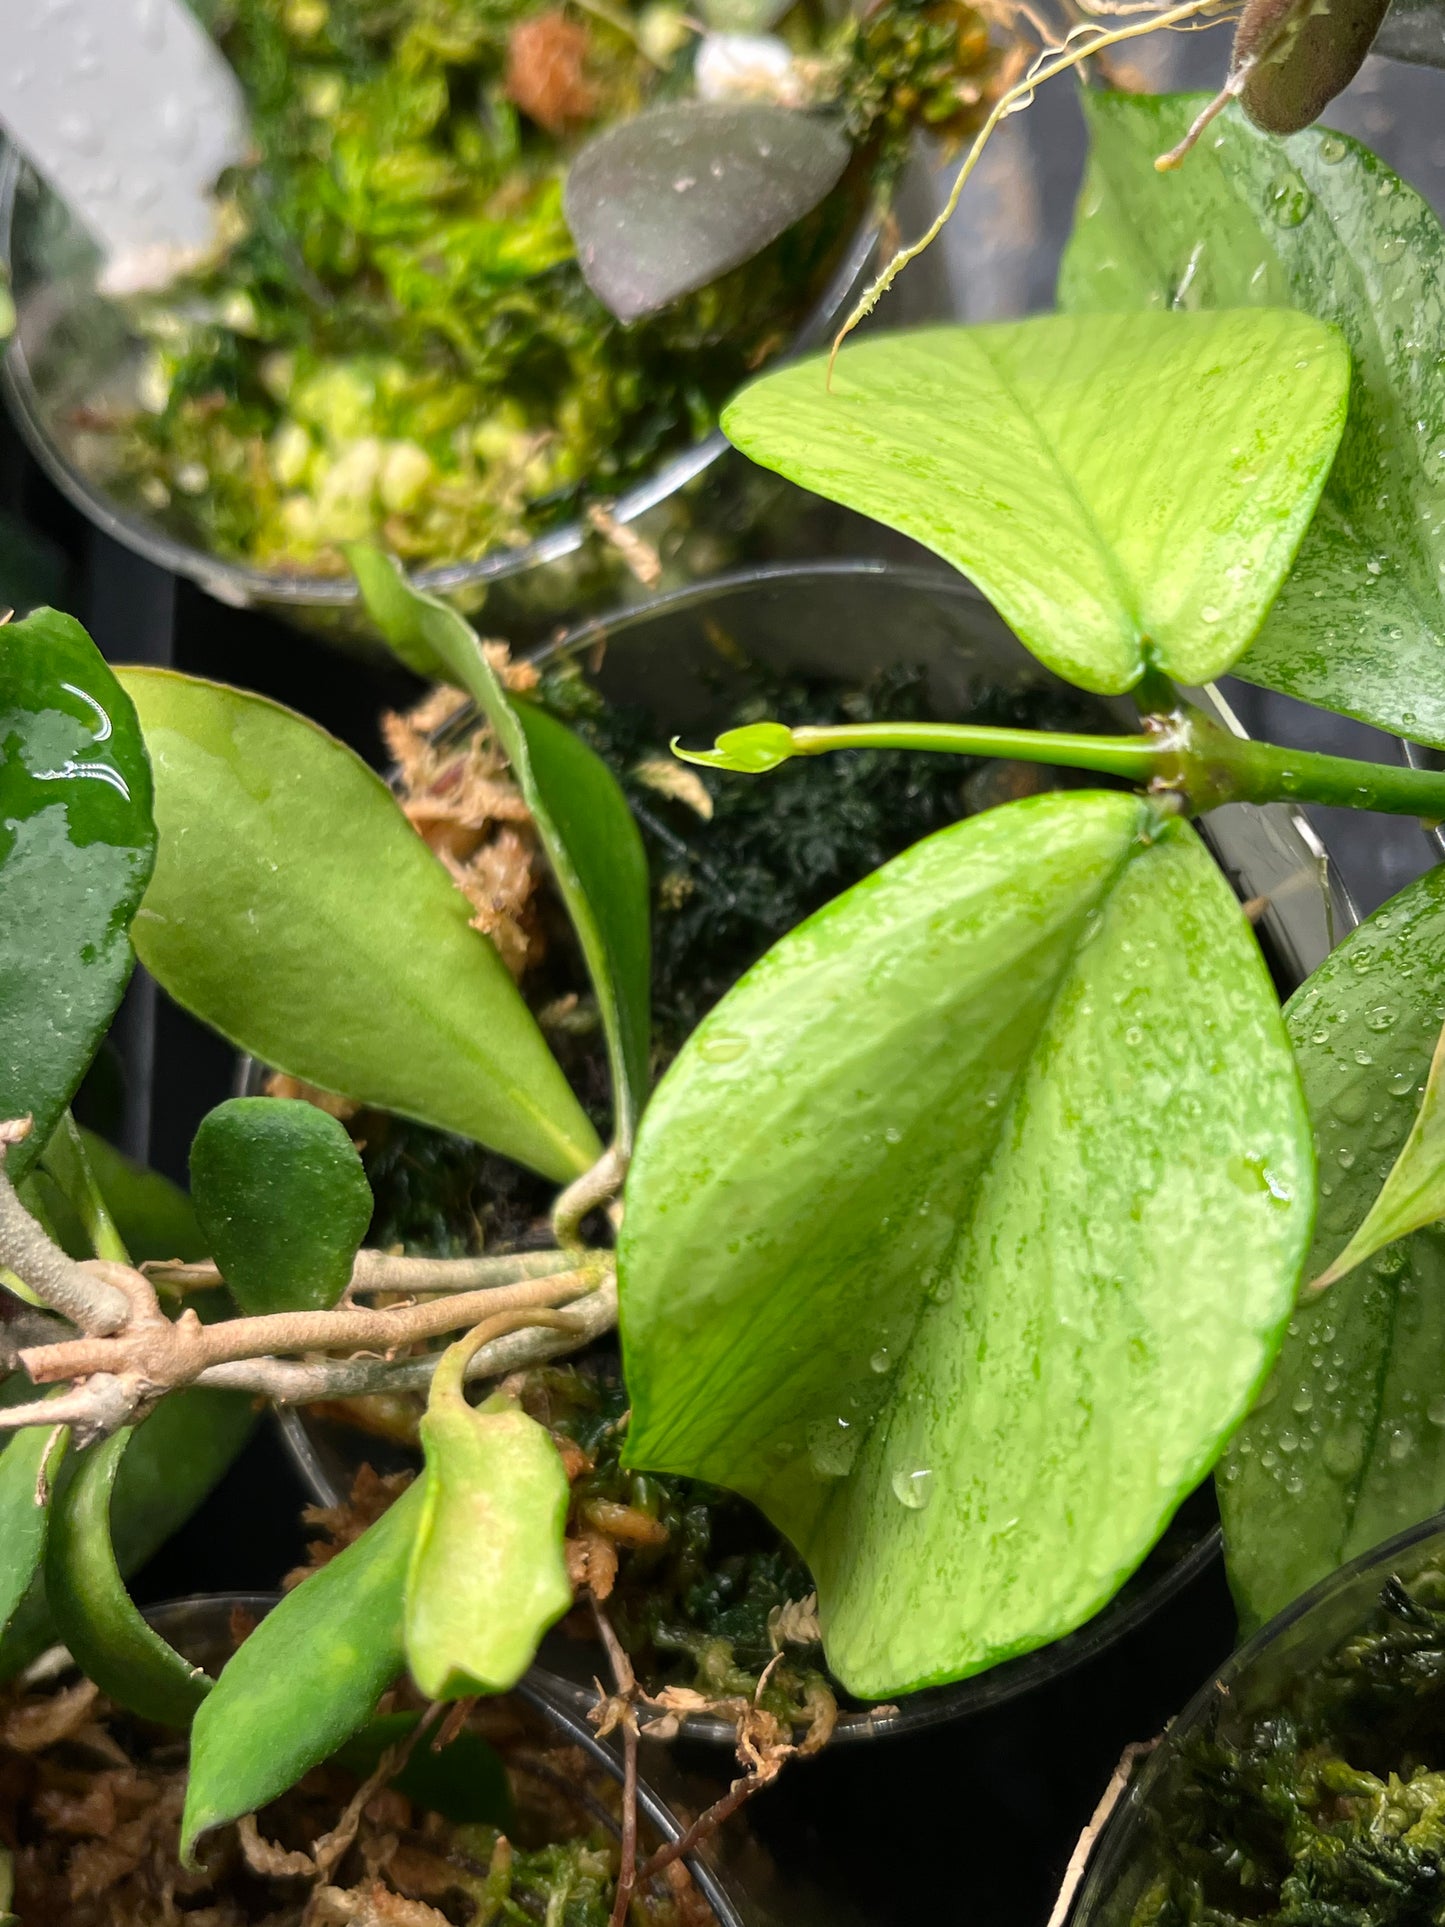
x: 175, y: 1459
x: 1122, y: 488
x: 910, y: 1204
x: 581, y: 814
x: 95, y: 1615
x: 76, y: 848
x: 295, y: 910
x: 496, y: 1510
x: 466, y: 1782
x: 28, y: 1463
x: 1347, y: 1444
x: 1318, y: 222
x: 663, y: 203
x: 306, y: 1680
x: 283, y: 1200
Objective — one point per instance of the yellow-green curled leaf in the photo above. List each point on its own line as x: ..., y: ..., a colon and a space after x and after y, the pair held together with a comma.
x: 1123, y: 488
x: 751, y: 750
x: 587, y: 830
x: 495, y: 1511
x: 295, y: 910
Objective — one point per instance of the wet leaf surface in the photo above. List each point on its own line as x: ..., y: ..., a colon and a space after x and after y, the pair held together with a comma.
x: 296, y: 911
x: 1120, y: 487
x: 909, y: 1204
x: 76, y: 849
x: 1347, y: 1443
x: 1319, y: 223
x: 283, y: 1200
x: 670, y: 200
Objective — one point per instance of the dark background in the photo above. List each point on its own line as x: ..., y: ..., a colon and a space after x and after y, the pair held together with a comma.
x: 973, y: 1821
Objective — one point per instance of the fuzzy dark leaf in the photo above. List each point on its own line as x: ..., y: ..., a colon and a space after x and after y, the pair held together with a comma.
x: 665, y: 203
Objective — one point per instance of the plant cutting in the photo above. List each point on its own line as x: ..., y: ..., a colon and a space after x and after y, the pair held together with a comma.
x: 959, y: 1236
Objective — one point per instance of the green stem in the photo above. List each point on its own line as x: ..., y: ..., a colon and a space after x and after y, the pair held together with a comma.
x: 1134, y: 757
x: 1186, y: 752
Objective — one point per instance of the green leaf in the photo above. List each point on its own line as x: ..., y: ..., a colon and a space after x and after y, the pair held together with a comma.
x: 175, y: 1459
x: 76, y: 849
x: 751, y: 750
x: 495, y: 1509
x: 592, y: 842
x: 911, y: 1206
x: 1346, y: 1445
x: 466, y: 1782
x: 1124, y: 490
x: 306, y: 1679
x: 27, y: 1466
x: 282, y: 1197
x: 96, y: 1616
x: 665, y: 202
x: 1318, y: 222
x: 153, y: 1216
x: 295, y: 910
x: 66, y: 1161
x: 1413, y: 1193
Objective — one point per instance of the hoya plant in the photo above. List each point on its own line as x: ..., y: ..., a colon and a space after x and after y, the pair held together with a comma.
x: 960, y: 1236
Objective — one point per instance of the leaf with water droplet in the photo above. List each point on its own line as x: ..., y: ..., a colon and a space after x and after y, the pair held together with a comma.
x: 663, y: 203
x: 1123, y: 488
x: 1383, y: 1325
x: 1359, y: 625
x: 283, y: 1199
x: 77, y: 844
x: 1060, y: 1356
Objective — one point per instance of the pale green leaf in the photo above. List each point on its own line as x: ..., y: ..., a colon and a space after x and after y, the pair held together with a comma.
x: 496, y: 1509
x: 1318, y: 222
x: 1346, y: 1446
x: 1123, y: 489
x: 295, y: 910
x: 959, y: 1310
x: 753, y: 748
x: 581, y: 814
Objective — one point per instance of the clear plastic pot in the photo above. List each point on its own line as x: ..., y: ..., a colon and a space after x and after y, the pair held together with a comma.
x: 678, y: 657
x: 1264, y: 1679
x: 200, y: 1628
x: 72, y: 351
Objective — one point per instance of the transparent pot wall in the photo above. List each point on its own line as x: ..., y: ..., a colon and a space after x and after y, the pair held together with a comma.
x: 1312, y: 1669
x: 682, y: 659
x: 73, y: 366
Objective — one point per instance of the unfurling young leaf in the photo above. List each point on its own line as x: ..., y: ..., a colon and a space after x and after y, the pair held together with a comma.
x: 751, y: 749
x: 1318, y: 223
x: 295, y: 910
x: 1124, y: 489
x: 1346, y: 1444
x: 581, y: 814
x: 283, y: 1200
x: 977, y: 1211
x: 76, y: 848
x: 496, y: 1511
x: 306, y: 1680
x: 95, y: 1615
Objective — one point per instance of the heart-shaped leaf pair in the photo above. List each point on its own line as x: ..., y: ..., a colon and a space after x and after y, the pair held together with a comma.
x: 76, y: 848
x: 295, y: 910
x: 976, y: 1212
x: 1125, y: 489
x: 1321, y: 224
